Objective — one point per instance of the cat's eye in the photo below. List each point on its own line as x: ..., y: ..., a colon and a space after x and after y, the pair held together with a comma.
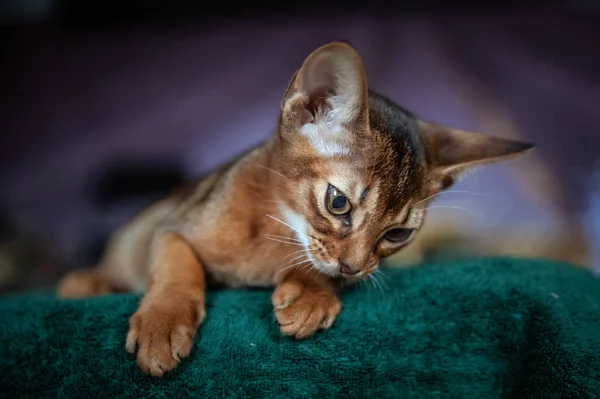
x: 398, y: 235
x: 336, y: 202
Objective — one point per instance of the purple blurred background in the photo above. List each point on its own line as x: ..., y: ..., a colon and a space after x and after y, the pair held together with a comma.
x: 186, y: 97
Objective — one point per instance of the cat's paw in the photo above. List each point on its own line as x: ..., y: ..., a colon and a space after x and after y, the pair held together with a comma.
x: 163, y: 334
x: 82, y: 284
x: 301, y: 310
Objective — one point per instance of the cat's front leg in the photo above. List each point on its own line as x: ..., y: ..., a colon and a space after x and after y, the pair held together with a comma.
x: 304, y: 303
x: 163, y: 328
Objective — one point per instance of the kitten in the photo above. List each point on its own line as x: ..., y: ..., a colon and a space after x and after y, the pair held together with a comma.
x: 344, y: 182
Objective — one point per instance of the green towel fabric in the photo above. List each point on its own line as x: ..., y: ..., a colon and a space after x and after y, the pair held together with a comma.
x: 493, y: 328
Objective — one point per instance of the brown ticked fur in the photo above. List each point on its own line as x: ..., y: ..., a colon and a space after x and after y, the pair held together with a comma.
x: 264, y: 219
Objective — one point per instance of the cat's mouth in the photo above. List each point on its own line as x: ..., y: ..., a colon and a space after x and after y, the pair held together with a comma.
x: 335, y: 269
x: 368, y: 270
x: 323, y: 261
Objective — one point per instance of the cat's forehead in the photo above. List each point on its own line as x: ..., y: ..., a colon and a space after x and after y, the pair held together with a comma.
x: 385, y: 172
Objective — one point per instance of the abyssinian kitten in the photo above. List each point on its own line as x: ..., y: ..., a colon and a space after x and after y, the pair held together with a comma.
x: 343, y: 182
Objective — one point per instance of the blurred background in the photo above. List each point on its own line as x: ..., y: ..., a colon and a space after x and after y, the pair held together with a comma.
x: 106, y: 105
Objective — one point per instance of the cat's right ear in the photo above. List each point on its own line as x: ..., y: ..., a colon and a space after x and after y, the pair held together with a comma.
x: 332, y: 86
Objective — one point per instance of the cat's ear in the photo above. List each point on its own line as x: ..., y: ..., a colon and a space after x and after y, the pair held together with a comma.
x: 331, y: 84
x: 451, y: 152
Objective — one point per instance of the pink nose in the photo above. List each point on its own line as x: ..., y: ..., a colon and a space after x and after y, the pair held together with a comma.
x: 346, y: 268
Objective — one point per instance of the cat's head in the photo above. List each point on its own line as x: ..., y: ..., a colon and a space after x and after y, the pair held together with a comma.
x: 360, y: 169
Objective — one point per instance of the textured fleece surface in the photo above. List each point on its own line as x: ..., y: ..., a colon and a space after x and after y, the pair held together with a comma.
x: 493, y: 328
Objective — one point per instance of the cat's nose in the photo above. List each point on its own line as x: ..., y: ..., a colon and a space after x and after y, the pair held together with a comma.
x: 347, y: 268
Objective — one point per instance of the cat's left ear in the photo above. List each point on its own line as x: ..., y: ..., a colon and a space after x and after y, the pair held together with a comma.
x: 451, y: 152
x: 331, y: 84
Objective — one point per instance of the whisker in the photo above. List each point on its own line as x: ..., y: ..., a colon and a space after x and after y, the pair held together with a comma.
x: 448, y: 192
x: 294, y: 265
x: 284, y: 242
x: 285, y: 224
x: 382, y: 284
x: 380, y: 275
x: 271, y: 170
x: 303, y: 265
x: 310, y: 267
x: 371, y: 280
x: 281, y: 237
x: 376, y: 282
x: 294, y: 253
x: 296, y: 258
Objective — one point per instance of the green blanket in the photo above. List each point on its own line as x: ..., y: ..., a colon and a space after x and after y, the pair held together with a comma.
x: 494, y: 328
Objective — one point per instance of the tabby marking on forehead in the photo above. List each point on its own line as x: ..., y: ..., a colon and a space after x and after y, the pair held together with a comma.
x: 366, y: 209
